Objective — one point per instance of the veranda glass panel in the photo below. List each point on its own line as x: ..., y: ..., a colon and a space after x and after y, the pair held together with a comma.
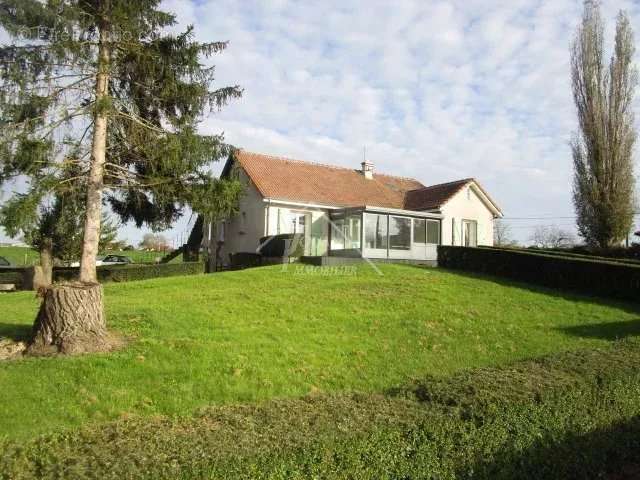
x: 399, y: 233
x: 352, y: 228
x: 419, y: 230
x: 337, y: 234
x: 375, y: 231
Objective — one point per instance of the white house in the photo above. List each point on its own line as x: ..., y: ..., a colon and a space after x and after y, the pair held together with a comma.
x: 351, y: 212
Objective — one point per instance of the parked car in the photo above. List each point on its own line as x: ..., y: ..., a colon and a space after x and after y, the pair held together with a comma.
x: 115, y: 260
x: 5, y: 263
x: 109, y: 260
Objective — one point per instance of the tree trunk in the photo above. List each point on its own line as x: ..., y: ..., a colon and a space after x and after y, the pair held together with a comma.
x: 71, y: 321
x: 46, y: 261
x: 71, y: 317
x: 95, y: 185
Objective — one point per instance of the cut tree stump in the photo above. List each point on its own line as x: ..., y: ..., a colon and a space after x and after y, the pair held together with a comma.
x: 70, y: 321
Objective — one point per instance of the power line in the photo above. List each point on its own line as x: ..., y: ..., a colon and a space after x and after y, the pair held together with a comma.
x: 550, y: 218
x: 539, y: 225
x: 538, y: 218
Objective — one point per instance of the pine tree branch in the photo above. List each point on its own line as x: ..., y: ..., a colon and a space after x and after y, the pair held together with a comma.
x: 141, y: 122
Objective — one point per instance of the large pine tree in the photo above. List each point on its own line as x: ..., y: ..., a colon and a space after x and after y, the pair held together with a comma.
x: 99, y: 87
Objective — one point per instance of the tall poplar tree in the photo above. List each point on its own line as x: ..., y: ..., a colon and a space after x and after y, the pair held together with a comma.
x: 604, y: 180
x: 99, y: 87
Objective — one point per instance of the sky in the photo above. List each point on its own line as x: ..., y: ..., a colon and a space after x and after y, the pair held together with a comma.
x: 435, y: 90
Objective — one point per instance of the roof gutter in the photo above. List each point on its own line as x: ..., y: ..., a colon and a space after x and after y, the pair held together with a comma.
x: 497, y: 213
x: 301, y: 204
x: 406, y: 213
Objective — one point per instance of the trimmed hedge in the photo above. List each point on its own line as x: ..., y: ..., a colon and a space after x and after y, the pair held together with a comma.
x: 13, y: 275
x: 281, y: 245
x: 570, y: 254
x: 630, y: 252
x: 126, y: 273
x: 572, y: 415
x: 588, y: 276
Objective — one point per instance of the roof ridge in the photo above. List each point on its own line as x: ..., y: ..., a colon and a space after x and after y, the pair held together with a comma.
x: 326, y: 165
x: 463, y: 180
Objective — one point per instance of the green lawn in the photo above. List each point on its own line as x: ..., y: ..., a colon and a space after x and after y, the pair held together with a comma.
x: 252, y: 335
x: 20, y: 256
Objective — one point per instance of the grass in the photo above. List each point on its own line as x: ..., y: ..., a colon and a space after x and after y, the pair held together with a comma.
x: 253, y: 335
x: 565, y: 415
x: 20, y: 256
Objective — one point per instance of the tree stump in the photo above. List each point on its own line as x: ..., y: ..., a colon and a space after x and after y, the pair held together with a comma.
x: 70, y: 321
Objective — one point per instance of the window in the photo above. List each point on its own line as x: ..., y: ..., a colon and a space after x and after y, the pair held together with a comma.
x: 433, y: 232
x: 419, y: 230
x: 399, y: 233
x: 375, y: 231
x: 299, y: 223
x: 453, y: 231
x: 470, y: 233
x: 291, y: 222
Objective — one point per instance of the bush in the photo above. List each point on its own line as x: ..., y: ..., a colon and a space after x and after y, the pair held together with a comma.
x: 631, y: 252
x: 584, y: 275
x: 620, y: 254
x: 572, y: 415
x: 245, y: 260
x: 126, y: 273
x: 12, y: 276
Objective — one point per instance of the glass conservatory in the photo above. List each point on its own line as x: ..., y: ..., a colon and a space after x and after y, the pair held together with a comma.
x: 384, y: 233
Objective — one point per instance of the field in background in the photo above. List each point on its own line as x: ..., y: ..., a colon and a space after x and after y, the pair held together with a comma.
x: 247, y: 336
x: 20, y: 256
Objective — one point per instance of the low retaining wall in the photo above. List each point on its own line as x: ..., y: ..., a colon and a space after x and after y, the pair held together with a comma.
x: 339, y: 261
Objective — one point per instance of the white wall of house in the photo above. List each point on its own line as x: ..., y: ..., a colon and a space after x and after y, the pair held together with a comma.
x: 466, y: 205
x: 243, y: 232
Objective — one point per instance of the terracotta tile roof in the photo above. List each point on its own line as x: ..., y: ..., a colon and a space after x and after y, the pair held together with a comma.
x: 293, y: 180
x: 433, y: 197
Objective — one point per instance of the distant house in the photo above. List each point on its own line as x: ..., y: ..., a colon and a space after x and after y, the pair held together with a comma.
x: 351, y: 212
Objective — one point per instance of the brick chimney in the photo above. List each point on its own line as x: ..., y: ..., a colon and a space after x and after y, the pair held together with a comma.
x: 367, y: 170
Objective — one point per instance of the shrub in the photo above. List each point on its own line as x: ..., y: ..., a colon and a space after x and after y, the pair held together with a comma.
x: 14, y: 276
x: 621, y: 255
x: 631, y: 252
x: 285, y: 244
x: 585, y: 275
x: 572, y: 415
x: 126, y: 273
x: 245, y: 260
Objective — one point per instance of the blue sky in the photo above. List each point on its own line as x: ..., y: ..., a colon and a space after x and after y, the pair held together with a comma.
x: 436, y: 90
